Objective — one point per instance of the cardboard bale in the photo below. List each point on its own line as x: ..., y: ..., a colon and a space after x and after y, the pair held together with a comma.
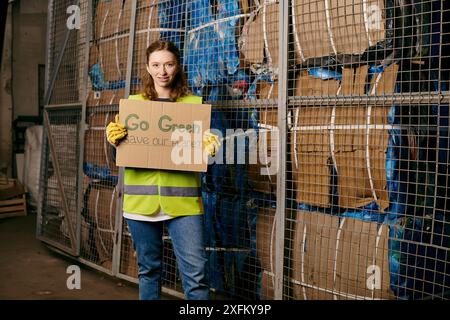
x: 125, y: 16
x: 267, y: 286
x: 384, y: 83
x: 311, y: 28
x: 353, y: 138
x: 335, y: 26
x: 259, y: 38
x: 362, y: 264
x: 147, y: 31
x: 102, y: 212
x: 272, y: 31
x: 112, y: 18
x: 314, y: 251
x: 354, y: 81
x: 113, y: 57
x: 104, y: 97
x: 97, y: 150
x: 107, y: 16
x: 305, y: 85
x: 142, y: 41
x: 93, y: 54
x: 311, y: 86
x: 265, y: 238
x: 262, y: 182
x: 355, y: 187
x: 251, y: 41
x: 311, y: 156
x: 267, y: 90
x: 151, y: 125
x: 265, y: 249
x: 334, y: 258
x: 360, y: 166
x: 312, y: 179
x: 147, y: 15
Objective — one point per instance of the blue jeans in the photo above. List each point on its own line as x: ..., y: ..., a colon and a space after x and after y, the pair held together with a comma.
x: 187, y: 239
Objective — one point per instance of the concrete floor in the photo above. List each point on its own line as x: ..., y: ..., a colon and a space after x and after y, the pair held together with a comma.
x: 30, y: 270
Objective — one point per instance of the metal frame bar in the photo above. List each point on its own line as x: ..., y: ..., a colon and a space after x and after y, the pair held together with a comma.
x: 436, y: 174
x: 83, y: 126
x: 411, y: 98
x: 119, y: 187
x: 42, y: 184
x: 53, y: 153
x: 280, y: 214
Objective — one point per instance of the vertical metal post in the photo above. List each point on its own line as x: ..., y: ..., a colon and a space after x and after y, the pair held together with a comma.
x: 281, y: 176
x: 83, y: 126
x: 48, y: 44
x: 42, y: 184
x: 438, y: 124
x: 119, y: 188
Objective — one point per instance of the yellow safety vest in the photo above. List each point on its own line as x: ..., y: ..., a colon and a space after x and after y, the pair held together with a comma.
x: 177, y: 193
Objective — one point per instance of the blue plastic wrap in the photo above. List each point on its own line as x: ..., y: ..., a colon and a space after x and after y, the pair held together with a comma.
x: 230, y: 236
x: 262, y: 77
x: 94, y: 171
x: 324, y: 73
x: 212, y: 56
x: 226, y: 29
x: 171, y: 16
x: 98, y: 82
x: 215, y: 267
x: 417, y: 268
x: 198, y: 55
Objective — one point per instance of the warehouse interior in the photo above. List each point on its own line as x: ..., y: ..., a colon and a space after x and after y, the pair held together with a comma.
x: 333, y: 179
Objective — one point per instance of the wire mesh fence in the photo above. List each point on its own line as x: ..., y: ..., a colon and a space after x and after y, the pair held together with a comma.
x: 332, y: 181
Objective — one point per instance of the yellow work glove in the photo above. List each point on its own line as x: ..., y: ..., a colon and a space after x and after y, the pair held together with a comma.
x: 115, y: 131
x: 211, y: 143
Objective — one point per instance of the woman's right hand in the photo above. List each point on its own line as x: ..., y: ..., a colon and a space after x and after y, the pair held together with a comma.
x: 115, y: 132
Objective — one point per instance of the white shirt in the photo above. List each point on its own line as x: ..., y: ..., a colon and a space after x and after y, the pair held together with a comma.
x: 158, y: 216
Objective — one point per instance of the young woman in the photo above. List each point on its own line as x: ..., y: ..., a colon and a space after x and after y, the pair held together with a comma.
x: 154, y: 198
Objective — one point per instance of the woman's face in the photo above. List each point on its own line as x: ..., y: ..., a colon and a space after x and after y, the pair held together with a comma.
x: 162, y: 66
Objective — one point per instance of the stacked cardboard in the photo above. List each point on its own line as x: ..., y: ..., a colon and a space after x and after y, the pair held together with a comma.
x: 112, y: 21
x: 323, y: 28
x: 266, y: 153
x: 259, y: 39
x: 105, y: 97
x: 97, y: 151
x: 147, y: 31
x: 332, y: 257
x: 343, y: 146
x: 101, y: 97
x: 102, y: 212
x: 339, y: 258
x: 265, y: 248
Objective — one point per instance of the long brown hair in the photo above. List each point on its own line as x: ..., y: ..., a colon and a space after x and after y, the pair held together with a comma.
x: 179, y: 84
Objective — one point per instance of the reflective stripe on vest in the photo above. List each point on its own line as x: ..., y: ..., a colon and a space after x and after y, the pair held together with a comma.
x: 165, y: 191
x: 181, y: 191
x: 140, y: 190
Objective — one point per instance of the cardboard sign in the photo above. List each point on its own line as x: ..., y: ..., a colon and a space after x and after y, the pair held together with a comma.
x: 163, y: 135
